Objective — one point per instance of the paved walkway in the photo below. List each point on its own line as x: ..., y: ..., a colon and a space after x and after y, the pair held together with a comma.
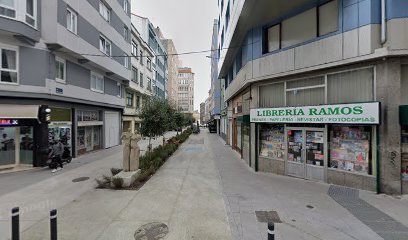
x: 306, y: 209
x: 206, y: 192
x: 38, y: 191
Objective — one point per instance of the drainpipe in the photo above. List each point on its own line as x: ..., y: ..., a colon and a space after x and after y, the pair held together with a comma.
x: 383, y: 21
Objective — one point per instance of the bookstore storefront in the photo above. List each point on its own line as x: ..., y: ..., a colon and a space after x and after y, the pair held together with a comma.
x: 317, y: 142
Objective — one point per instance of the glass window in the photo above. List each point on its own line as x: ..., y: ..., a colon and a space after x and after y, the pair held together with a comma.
x: 272, y: 142
x: 71, y: 21
x: 97, y: 82
x: 300, y: 28
x: 31, y: 12
x: 328, y: 17
x: 26, y: 145
x: 126, y: 60
x: 134, y: 48
x: 138, y: 102
x: 7, y: 8
x: 126, y: 33
x: 239, y: 134
x: 81, y: 138
x: 352, y: 86
x: 141, y: 80
x: 60, y: 69
x: 7, y: 146
x: 104, y: 45
x: 272, y: 95
x: 119, y: 87
x: 141, y: 57
x: 149, y: 63
x: 8, y: 67
x: 96, y: 137
x: 273, y: 36
x: 135, y: 75
x: 305, y: 97
x: 149, y: 84
x: 129, y: 99
x: 125, y: 5
x: 104, y: 10
x: 350, y: 149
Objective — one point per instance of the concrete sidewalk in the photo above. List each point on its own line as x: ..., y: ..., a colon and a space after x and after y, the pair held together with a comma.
x: 58, y: 190
x: 185, y: 194
x: 304, y: 207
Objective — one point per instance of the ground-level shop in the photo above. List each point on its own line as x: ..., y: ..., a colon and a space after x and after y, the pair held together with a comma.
x: 328, y: 143
x: 81, y: 128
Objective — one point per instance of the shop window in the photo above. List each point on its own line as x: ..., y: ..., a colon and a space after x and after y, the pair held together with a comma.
x: 81, y: 138
x: 299, y: 29
x: 26, y: 145
x: 272, y: 142
x: 272, y: 95
x: 404, y: 153
x: 7, y: 146
x: 328, y: 17
x: 96, y: 137
x: 352, y: 86
x: 8, y: 66
x: 350, y: 149
x: 404, y: 84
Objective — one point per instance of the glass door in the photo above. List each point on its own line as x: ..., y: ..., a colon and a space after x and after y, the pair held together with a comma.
x: 295, y: 156
x: 315, y: 155
x: 88, y: 138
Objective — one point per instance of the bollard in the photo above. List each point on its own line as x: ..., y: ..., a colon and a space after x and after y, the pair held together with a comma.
x: 15, y: 224
x: 53, y: 224
x: 271, y: 231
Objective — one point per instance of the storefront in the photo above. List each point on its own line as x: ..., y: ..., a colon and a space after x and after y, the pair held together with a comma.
x: 320, y: 143
x: 404, y: 148
x: 21, y: 137
x: 60, y: 128
x: 89, y: 131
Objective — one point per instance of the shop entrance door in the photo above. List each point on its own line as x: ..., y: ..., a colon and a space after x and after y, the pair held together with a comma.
x: 306, y: 153
x: 89, y: 138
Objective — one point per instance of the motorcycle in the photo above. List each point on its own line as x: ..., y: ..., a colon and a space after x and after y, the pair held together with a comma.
x: 65, y: 158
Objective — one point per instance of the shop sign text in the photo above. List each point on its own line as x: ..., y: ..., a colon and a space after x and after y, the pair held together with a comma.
x: 8, y: 122
x: 362, y: 113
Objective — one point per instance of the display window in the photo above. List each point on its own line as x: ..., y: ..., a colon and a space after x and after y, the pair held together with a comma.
x: 350, y: 148
x: 26, y: 145
x: 81, y: 138
x: 272, y: 141
x: 295, y: 146
x: 404, y: 153
x: 7, y: 146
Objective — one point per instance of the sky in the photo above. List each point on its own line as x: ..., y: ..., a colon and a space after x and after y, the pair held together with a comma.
x: 189, y: 23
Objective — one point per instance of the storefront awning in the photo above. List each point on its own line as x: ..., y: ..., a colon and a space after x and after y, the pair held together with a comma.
x: 10, y: 111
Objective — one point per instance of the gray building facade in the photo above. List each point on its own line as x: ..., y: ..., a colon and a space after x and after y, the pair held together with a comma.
x: 73, y: 59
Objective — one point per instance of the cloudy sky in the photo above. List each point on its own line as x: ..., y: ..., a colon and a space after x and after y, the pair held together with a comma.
x: 189, y: 23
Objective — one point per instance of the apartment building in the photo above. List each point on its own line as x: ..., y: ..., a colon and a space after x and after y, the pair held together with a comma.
x: 69, y: 56
x: 173, y: 65
x: 149, y: 34
x: 215, y: 91
x: 185, y: 90
x: 316, y: 89
x: 140, y: 86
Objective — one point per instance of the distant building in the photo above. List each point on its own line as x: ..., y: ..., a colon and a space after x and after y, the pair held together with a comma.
x: 202, y: 113
x: 159, y: 64
x: 173, y: 65
x: 215, y: 92
x: 185, y: 87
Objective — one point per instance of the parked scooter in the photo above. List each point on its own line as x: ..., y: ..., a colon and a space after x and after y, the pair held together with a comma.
x: 65, y: 158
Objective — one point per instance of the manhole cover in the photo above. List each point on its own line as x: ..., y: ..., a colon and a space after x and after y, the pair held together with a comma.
x: 81, y: 179
x: 152, y: 231
x: 265, y: 216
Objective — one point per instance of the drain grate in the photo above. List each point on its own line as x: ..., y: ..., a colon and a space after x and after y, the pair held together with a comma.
x: 152, y: 231
x: 81, y: 179
x: 267, y: 216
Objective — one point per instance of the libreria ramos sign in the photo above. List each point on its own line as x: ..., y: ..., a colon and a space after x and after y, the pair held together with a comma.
x: 358, y: 113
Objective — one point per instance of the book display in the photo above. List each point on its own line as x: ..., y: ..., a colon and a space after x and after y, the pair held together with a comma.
x: 404, y: 153
x: 272, y: 142
x: 315, y: 148
x: 295, y: 146
x: 350, y: 148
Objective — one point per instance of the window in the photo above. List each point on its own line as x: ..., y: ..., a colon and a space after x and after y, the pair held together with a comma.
x: 141, y: 57
x: 126, y: 33
x: 72, y: 21
x: 134, y: 48
x: 125, y: 6
x: 141, y: 80
x: 135, y: 75
x: 104, y: 10
x: 137, y: 102
x: 60, y: 69
x: 292, y: 34
x: 273, y: 38
x: 119, y: 87
x: 104, y: 45
x: 8, y: 66
x: 8, y: 8
x: 149, y: 63
x: 227, y: 17
x: 97, y: 82
x: 149, y: 84
x: 31, y: 6
x: 328, y: 17
x: 129, y: 99
x: 126, y: 61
